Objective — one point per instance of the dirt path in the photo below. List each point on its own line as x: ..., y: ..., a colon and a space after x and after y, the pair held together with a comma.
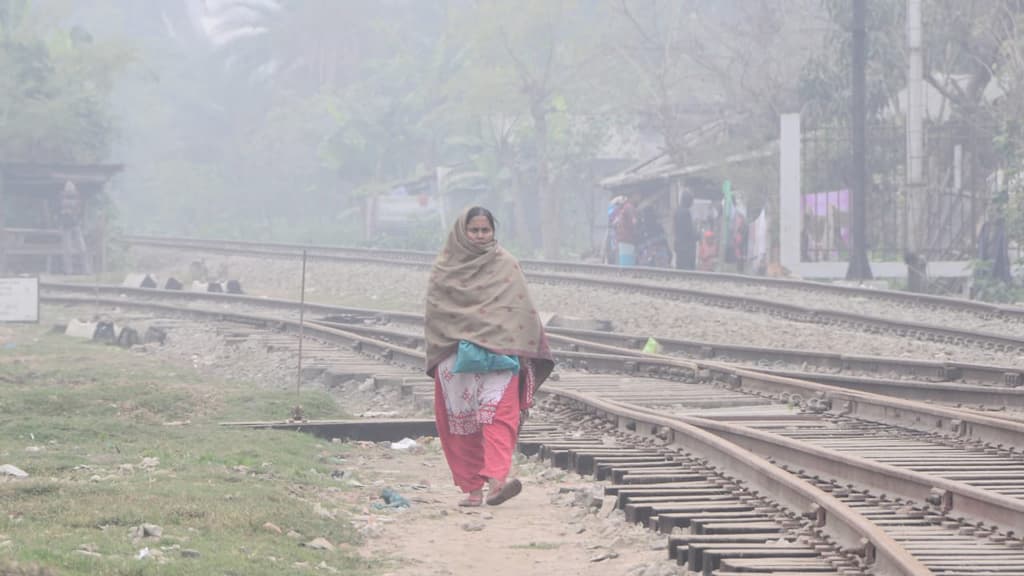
x: 552, y: 528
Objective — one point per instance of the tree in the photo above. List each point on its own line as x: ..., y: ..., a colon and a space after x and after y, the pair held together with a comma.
x: 686, y: 63
x: 525, y: 64
x: 55, y: 88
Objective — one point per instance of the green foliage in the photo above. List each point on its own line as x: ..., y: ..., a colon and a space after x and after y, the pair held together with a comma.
x: 55, y: 85
x: 279, y: 121
x: 988, y: 289
x: 825, y: 84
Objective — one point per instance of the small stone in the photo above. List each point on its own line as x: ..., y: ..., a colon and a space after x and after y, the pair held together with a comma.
x: 320, y: 544
x: 473, y: 526
x: 145, y: 531
x: 88, y: 550
x: 12, y: 470
x: 149, y: 463
x: 581, y: 529
x: 271, y: 527
x: 33, y: 449
x: 189, y: 553
x: 487, y: 516
x: 600, y: 557
x: 89, y: 553
x: 294, y: 534
x: 323, y: 512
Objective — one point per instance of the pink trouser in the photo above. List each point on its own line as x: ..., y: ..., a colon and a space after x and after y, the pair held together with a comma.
x: 476, y: 458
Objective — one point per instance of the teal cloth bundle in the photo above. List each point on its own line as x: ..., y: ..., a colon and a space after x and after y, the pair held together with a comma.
x: 474, y: 359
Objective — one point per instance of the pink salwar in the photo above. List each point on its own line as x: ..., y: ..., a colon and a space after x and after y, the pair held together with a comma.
x: 485, y: 453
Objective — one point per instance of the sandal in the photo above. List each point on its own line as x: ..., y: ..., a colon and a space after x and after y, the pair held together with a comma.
x: 509, y: 490
x: 472, y: 501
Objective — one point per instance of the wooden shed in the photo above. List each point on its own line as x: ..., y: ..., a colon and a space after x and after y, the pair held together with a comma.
x: 31, y: 237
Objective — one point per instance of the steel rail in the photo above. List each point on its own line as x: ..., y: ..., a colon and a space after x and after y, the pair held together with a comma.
x: 975, y: 502
x: 938, y: 392
x: 963, y: 423
x: 234, y: 246
x: 954, y: 498
x: 929, y: 370
x: 849, y: 528
x: 926, y: 369
x: 916, y: 330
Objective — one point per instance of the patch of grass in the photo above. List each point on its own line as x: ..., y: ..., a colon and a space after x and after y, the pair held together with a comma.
x: 86, y: 421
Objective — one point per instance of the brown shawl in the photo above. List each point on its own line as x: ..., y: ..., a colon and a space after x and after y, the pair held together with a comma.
x: 478, y: 294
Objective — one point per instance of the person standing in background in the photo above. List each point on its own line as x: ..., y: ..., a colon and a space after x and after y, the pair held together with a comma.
x: 72, y: 241
x: 685, y: 236
x: 611, y: 246
x: 625, y: 233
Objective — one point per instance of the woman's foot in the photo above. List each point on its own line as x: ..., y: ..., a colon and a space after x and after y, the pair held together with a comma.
x: 474, y: 499
x: 498, y: 492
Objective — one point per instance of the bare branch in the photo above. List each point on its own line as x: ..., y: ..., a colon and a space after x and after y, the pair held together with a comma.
x: 958, y: 99
x: 639, y: 27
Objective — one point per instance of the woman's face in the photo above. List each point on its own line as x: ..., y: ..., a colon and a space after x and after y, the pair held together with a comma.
x: 479, y: 230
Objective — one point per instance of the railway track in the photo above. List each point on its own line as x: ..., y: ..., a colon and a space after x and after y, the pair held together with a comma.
x: 1006, y: 336
x: 867, y: 511
x: 728, y: 530
x: 943, y: 382
x: 704, y: 285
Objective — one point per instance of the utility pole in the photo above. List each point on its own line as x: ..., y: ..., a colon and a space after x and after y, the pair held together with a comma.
x: 914, y: 239
x: 859, y: 268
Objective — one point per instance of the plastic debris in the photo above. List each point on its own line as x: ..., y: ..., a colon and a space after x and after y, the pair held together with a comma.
x: 392, y: 499
x: 404, y: 444
x: 652, y: 347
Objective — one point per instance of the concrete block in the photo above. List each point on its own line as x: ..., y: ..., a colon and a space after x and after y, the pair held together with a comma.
x: 79, y: 329
x: 106, y: 331
x: 139, y: 280
x: 128, y: 337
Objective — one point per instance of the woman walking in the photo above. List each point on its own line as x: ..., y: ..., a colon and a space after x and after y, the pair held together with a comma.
x: 478, y: 308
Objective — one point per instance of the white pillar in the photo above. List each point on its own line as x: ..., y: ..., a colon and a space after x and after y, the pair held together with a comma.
x: 790, y: 212
x: 915, y: 202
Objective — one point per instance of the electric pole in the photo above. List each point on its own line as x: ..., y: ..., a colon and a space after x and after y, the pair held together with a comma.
x: 859, y: 268
x: 914, y: 239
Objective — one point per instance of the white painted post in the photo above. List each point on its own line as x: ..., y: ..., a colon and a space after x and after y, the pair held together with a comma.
x: 790, y: 213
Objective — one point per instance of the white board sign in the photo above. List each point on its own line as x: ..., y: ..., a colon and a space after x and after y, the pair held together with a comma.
x: 19, y: 300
